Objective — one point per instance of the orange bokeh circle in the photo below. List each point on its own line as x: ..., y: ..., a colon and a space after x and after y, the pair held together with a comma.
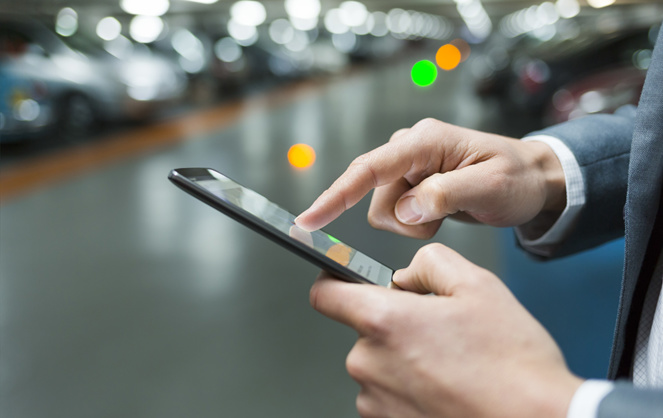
x: 301, y: 155
x: 448, y: 57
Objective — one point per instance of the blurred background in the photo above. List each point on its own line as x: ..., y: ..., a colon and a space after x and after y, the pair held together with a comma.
x: 122, y: 296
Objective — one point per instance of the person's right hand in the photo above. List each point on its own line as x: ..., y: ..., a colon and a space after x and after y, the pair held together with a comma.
x: 434, y: 170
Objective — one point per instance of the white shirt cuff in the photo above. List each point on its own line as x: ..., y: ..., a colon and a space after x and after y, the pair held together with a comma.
x: 575, y: 200
x: 586, y: 400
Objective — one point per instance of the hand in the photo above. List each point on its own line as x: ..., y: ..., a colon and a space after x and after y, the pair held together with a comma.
x: 471, y: 350
x: 434, y: 170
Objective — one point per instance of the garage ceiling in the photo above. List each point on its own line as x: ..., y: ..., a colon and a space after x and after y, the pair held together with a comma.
x: 274, y: 7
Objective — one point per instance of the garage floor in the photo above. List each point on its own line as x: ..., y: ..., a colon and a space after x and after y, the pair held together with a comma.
x: 121, y: 296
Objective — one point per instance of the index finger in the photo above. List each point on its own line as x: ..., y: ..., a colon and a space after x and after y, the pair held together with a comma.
x: 381, y: 166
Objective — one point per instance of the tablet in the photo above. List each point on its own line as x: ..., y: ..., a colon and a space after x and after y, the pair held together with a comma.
x: 258, y: 213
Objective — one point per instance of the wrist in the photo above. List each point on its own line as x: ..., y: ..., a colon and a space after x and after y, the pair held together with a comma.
x: 554, y: 399
x: 547, y: 164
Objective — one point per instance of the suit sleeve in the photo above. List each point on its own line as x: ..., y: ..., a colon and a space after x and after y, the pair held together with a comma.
x: 627, y: 401
x: 601, y: 145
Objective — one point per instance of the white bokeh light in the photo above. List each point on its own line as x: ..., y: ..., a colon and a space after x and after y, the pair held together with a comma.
x: 109, y: 28
x: 398, y: 21
x: 353, y: 13
x: 334, y: 23
x: 303, y: 9
x: 227, y: 50
x: 298, y: 43
x: 598, y: 4
x: 379, y: 24
x: 344, y: 42
x: 146, y: 29
x: 281, y: 31
x: 145, y: 7
x: 188, y: 45
x: 304, y: 24
x: 66, y: 23
x: 243, y: 34
x: 567, y: 8
x: 248, y: 12
x: 366, y: 27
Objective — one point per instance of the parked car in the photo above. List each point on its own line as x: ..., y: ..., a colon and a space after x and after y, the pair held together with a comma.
x: 533, y: 75
x: 601, y: 92
x: 76, y: 86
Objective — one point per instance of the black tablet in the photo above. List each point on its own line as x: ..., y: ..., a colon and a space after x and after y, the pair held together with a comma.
x: 258, y: 213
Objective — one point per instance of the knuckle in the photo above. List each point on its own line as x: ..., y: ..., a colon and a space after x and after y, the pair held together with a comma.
x: 379, y: 217
x: 434, y: 197
x: 365, y: 406
x: 362, y: 160
x: 364, y: 163
x: 378, y: 325
x: 355, y: 365
x: 430, y: 252
x: 375, y: 219
x: 313, y: 296
x: 425, y: 124
x: 399, y: 134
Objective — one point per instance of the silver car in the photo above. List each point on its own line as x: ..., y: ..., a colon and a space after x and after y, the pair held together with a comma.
x: 46, y: 85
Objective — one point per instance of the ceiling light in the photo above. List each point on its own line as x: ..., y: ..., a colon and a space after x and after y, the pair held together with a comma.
x: 146, y: 29
x: 303, y: 9
x: 66, y: 24
x: 108, y: 28
x: 248, y: 12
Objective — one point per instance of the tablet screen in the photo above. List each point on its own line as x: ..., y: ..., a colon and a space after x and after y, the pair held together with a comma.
x: 282, y: 220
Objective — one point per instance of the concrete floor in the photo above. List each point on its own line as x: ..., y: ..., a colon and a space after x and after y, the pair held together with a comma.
x: 121, y: 296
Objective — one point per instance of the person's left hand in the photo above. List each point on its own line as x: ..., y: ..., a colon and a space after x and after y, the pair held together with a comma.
x: 470, y: 350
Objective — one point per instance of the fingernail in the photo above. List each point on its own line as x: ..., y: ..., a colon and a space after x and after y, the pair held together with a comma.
x: 408, y: 210
x: 298, y: 222
x: 395, y: 278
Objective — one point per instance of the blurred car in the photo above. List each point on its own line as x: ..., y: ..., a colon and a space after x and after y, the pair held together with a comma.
x: 601, y: 92
x: 533, y: 75
x: 25, y: 107
x: 51, y: 87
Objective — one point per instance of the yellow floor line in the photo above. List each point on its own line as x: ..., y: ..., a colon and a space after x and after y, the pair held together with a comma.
x: 45, y: 170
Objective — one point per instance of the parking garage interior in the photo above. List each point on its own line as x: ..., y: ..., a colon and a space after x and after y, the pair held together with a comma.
x: 122, y: 296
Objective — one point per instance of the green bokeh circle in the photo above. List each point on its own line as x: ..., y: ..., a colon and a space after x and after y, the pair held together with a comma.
x: 424, y: 73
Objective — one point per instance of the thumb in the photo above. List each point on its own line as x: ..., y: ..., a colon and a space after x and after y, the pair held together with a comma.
x: 444, y: 194
x: 437, y: 269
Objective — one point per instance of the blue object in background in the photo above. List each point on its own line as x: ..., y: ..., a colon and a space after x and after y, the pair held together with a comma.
x: 575, y: 298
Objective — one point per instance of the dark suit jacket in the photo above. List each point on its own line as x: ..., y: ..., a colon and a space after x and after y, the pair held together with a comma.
x: 621, y: 159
